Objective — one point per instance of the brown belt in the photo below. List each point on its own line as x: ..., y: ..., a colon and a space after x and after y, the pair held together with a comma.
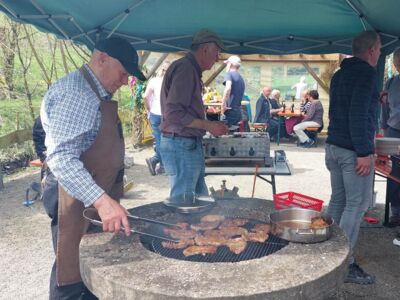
x: 172, y: 135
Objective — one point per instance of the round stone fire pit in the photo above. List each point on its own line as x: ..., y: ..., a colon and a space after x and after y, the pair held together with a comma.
x: 119, y: 267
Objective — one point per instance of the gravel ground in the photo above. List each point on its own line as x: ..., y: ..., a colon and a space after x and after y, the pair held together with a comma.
x: 26, y: 254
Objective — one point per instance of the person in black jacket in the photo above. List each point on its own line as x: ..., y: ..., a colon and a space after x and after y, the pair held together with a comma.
x: 39, y: 136
x: 38, y: 139
x: 263, y: 112
x: 350, y: 143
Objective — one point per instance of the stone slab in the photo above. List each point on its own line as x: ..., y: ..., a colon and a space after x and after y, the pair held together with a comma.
x: 119, y: 267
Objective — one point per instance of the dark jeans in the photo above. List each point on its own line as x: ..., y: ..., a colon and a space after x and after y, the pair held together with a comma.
x: 273, y: 127
x: 393, y: 186
x: 155, y: 121
x: 50, y: 203
x: 233, y: 116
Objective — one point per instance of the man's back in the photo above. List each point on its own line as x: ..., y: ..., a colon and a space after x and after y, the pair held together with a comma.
x: 237, y: 89
x: 352, y: 107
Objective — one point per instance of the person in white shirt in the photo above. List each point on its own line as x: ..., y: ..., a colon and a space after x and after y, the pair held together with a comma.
x: 153, y: 107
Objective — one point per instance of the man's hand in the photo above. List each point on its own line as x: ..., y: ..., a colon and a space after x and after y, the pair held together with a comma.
x: 217, y: 128
x: 112, y: 214
x: 364, y: 165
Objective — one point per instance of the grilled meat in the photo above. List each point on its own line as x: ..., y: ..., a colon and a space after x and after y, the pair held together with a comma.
x: 234, y: 222
x: 203, y: 250
x: 232, y: 231
x: 216, y: 240
x: 261, y: 227
x: 205, y: 226
x: 258, y: 236
x: 212, y: 218
x: 236, y: 245
x: 179, y: 245
x: 318, y: 223
x: 180, y: 233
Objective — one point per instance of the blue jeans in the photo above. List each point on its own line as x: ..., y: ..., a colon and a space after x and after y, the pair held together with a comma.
x: 184, y: 163
x: 155, y: 121
x: 351, y: 194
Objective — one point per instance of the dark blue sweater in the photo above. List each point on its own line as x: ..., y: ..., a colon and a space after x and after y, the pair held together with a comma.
x: 353, y: 107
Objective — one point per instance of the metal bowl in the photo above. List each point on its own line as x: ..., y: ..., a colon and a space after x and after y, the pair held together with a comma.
x: 293, y: 224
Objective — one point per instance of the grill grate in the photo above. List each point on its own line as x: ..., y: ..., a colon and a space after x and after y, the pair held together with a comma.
x: 253, y: 250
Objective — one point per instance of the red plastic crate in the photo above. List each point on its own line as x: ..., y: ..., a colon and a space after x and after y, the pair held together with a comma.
x: 292, y: 199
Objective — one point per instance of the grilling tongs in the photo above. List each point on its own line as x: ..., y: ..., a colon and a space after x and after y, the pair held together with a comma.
x: 93, y: 212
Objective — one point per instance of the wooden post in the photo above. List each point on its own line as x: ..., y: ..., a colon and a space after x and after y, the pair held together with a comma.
x: 315, y: 76
x: 215, y: 74
x: 17, y: 120
x: 157, y: 64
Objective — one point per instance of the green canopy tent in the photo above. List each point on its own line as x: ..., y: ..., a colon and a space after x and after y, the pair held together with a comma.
x: 251, y: 26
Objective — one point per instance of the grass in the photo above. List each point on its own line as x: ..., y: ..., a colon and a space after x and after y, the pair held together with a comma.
x: 15, y: 113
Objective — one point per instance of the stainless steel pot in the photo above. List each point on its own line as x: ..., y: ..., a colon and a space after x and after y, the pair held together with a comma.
x: 293, y: 224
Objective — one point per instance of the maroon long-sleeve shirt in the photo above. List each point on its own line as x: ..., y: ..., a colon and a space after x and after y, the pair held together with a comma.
x: 181, y: 100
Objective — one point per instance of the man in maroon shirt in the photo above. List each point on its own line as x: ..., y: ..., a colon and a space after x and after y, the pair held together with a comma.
x: 183, y: 121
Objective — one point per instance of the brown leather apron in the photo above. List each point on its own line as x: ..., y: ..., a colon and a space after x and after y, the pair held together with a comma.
x: 104, y: 160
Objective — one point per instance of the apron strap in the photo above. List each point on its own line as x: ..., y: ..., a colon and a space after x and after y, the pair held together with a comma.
x: 91, y: 82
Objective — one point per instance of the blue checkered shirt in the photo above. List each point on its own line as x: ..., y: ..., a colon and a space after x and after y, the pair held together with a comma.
x: 71, y: 118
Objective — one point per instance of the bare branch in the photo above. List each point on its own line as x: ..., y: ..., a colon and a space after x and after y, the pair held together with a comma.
x: 69, y: 55
x: 38, y: 59
x: 63, y: 58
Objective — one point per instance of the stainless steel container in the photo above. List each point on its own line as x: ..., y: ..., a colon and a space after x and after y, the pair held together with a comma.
x: 294, y: 225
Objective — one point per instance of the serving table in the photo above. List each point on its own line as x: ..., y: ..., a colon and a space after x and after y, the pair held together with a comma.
x: 284, y: 114
x: 277, y: 169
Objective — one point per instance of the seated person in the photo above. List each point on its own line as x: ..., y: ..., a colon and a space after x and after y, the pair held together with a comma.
x: 263, y: 112
x: 292, y: 121
x: 313, y: 118
x: 276, y: 107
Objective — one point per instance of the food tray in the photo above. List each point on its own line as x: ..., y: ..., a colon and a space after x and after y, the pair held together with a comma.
x: 293, y: 199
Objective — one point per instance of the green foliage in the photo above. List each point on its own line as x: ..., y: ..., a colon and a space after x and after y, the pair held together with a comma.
x: 16, y: 112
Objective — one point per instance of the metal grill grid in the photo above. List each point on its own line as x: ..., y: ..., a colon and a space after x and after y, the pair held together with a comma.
x: 223, y: 254
x: 253, y: 249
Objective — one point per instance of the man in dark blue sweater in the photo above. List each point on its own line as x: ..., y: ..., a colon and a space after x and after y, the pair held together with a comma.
x: 350, y: 143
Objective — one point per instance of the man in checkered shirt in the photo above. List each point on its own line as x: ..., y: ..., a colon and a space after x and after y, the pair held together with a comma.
x: 80, y: 120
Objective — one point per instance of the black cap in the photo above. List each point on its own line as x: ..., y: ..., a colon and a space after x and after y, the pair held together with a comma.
x: 124, y: 52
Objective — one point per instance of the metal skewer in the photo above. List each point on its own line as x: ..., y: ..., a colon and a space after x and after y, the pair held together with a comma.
x: 151, y: 220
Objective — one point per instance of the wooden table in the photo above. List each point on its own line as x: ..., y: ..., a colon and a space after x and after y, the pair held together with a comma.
x: 384, y: 169
x: 283, y: 114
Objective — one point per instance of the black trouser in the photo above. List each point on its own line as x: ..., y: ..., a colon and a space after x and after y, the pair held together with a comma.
x: 50, y: 202
x: 393, y: 186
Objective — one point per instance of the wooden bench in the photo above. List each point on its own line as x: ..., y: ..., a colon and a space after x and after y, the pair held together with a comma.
x: 312, y: 133
x: 259, y: 127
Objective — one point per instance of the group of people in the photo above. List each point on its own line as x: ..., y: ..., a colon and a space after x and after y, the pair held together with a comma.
x: 268, y: 108
x: 85, y: 147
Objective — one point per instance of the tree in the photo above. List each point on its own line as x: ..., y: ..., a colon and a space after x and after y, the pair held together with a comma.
x: 8, y: 41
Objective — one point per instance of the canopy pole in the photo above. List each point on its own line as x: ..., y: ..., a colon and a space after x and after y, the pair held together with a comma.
x: 360, y: 15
